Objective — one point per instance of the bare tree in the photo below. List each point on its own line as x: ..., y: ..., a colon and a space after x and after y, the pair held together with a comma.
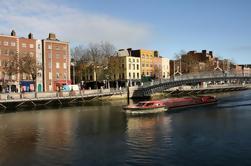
x: 94, y: 58
x: 29, y: 66
x: 11, y: 67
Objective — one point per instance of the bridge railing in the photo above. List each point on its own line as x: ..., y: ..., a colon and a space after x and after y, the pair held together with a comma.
x: 196, y: 76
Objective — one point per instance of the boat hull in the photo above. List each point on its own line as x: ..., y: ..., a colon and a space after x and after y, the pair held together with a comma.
x: 139, y: 111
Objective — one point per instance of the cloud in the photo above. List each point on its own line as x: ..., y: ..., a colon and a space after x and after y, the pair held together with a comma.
x: 70, y: 24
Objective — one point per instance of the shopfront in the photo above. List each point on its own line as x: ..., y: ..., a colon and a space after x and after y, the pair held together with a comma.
x: 27, y: 86
x: 58, y: 85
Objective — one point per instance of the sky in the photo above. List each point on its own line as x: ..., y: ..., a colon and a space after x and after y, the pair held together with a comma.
x: 169, y: 26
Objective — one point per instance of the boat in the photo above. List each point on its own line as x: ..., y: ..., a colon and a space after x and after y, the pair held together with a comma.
x: 156, y: 106
x: 186, y: 102
x: 146, y: 107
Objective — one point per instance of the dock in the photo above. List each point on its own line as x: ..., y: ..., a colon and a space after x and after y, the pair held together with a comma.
x: 32, y: 99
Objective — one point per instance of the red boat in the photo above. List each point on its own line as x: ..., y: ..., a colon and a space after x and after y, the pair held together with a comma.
x: 146, y: 107
x: 175, y: 103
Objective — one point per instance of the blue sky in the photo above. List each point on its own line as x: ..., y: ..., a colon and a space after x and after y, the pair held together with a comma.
x: 223, y: 26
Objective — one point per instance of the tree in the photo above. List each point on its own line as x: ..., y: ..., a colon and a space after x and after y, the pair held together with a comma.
x: 94, y: 58
x: 11, y: 67
x: 29, y: 66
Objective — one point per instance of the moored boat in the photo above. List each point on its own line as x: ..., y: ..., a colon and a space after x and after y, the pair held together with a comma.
x: 185, y: 102
x: 146, y: 107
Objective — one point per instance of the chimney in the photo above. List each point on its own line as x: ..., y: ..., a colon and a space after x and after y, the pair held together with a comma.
x: 156, y: 53
x: 30, y: 36
x: 129, y: 51
x: 204, y: 52
x: 211, y: 53
x: 13, y: 33
x: 52, y: 36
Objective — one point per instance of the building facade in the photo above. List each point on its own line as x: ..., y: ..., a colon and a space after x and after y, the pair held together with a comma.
x: 52, y: 59
x: 9, y: 81
x: 147, y: 61
x: 56, y: 63
x: 125, y: 67
x: 165, y: 68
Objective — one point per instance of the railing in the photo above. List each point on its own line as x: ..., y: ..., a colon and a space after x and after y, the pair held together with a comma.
x: 195, y: 76
x: 41, y: 95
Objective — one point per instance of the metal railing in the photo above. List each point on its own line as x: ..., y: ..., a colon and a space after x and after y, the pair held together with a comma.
x: 204, y: 75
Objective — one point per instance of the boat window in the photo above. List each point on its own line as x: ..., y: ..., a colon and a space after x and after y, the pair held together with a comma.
x: 140, y: 104
x: 149, y: 104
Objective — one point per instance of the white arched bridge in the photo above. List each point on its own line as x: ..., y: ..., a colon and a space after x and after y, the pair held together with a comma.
x: 161, y: 85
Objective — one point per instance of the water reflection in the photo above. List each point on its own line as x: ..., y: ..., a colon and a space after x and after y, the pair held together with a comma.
x: 145, y: 136
x: 98, y: 133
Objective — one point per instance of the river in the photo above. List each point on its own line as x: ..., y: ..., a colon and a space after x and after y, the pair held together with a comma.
x: 98, y: 133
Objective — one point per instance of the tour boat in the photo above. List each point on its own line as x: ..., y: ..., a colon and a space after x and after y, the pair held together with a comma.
x: 146, y: 107
x: 185, y: 102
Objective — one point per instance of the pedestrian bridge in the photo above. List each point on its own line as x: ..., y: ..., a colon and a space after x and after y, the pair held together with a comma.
x: 161, y: 85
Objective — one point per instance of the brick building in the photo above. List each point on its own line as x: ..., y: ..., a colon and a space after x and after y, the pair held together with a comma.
x: 195, y: 62
x: 56, y: 63
x: 12, y: 47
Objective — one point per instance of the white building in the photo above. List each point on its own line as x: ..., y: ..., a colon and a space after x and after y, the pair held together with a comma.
x: 165, y: 70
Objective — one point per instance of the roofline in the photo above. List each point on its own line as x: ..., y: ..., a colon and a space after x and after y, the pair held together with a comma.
x: 55, y: 41
x: 2, y: 35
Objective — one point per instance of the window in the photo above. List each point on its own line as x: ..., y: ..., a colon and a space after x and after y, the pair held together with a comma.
x: 49, y: 47
x: 57, y: 65
x: 129, y: 59
x: 64, y: 56
x: 11, y: 52
x: 146, y: 65
x: 57, y: 75
x: 138, y: 60
x: 32, y: 54
x: 143, y: 65
x: 38, y: 46
x: 122, y: 66
x: 31, y: 46
x: 133, y: 66
x: 133, y: 60
x: 65, y: 75
x: 49, y: 64
x: 49, y: 55
x: 50, y: 75
x: 5, y: 43
x: 129, y: 75
x: 137, y: 66
x: 6, y: 52
x: 123, y: 75
x: 13, y: 44
x: 138, y: 75
x: 65, y: 66
x: 24, y: 45
x: 57, y: 48
x: 57, y: 56
x: 133, y: 75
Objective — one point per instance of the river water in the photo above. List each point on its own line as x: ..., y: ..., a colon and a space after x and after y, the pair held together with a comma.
x: 98, y: 133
